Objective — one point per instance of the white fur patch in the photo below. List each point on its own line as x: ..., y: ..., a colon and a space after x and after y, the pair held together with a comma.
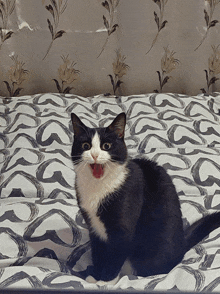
x: 112, y: 282
x: 92, y: 190
x: 90, y: 279
x: 96, y: 152
x: 127, y: 269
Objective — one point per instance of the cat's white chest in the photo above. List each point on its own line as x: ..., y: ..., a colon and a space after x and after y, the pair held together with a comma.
x: 93, y: 191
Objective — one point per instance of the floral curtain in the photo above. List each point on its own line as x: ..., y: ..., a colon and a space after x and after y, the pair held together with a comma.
x: 122, y: 47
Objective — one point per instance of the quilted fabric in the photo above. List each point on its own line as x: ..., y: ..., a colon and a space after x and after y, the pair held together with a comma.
x: 43, y: 238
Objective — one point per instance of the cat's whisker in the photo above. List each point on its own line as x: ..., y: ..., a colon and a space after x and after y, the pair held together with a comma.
x: 80, y: 167
x: 77, y: 161
x: 108, y: 165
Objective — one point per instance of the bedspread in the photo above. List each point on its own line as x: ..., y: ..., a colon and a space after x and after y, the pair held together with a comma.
x: 44, y: 242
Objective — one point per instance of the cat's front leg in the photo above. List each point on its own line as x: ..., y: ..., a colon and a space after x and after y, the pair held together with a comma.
x: 108, y: 258
x: 92, y: 280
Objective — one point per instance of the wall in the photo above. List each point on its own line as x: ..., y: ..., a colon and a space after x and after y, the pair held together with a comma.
x: 89, y: 47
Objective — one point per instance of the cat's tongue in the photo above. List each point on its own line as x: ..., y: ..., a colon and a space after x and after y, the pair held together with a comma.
x: 97, y: 170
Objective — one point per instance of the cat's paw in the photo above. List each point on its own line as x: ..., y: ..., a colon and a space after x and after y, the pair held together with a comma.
x: 90, y: 279
x: 112, y: 282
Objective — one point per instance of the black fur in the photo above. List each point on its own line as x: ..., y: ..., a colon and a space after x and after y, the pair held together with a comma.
x: 142, y: 218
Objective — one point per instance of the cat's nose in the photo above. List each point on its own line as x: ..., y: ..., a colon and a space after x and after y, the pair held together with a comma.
x: 94, y: 157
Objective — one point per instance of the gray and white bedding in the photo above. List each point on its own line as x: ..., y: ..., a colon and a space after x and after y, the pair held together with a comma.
x: 44, y: 241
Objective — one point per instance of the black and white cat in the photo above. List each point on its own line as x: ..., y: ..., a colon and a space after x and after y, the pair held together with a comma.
x: 130, y: 206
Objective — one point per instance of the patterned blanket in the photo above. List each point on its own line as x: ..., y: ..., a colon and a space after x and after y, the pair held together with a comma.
x: 44, y: 241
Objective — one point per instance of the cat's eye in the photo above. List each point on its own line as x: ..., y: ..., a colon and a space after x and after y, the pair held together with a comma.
x: 106, y: 146
x: 86, y: 146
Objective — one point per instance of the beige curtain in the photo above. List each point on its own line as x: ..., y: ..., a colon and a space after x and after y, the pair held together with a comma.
x: 88, y: 47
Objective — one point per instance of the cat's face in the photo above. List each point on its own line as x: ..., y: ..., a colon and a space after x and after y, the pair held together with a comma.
x: 98, y: 148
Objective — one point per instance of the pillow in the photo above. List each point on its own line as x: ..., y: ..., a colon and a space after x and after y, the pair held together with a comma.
x: 40, y: 228
x: 180, y: 132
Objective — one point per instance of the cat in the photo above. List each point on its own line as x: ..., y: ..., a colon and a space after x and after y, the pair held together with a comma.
x: 131, y: 206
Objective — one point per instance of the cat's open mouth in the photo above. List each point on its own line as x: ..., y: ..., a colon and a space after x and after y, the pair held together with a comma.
x: 97, y: 170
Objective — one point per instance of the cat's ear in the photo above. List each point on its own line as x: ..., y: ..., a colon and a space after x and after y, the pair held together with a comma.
x: 78, y: 125
x: 118, y: 125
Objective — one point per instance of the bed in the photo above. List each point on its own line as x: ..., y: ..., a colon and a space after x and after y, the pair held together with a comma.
x: 44, y: 242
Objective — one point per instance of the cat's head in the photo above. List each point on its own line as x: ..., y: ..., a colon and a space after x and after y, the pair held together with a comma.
x: 99, y: 148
